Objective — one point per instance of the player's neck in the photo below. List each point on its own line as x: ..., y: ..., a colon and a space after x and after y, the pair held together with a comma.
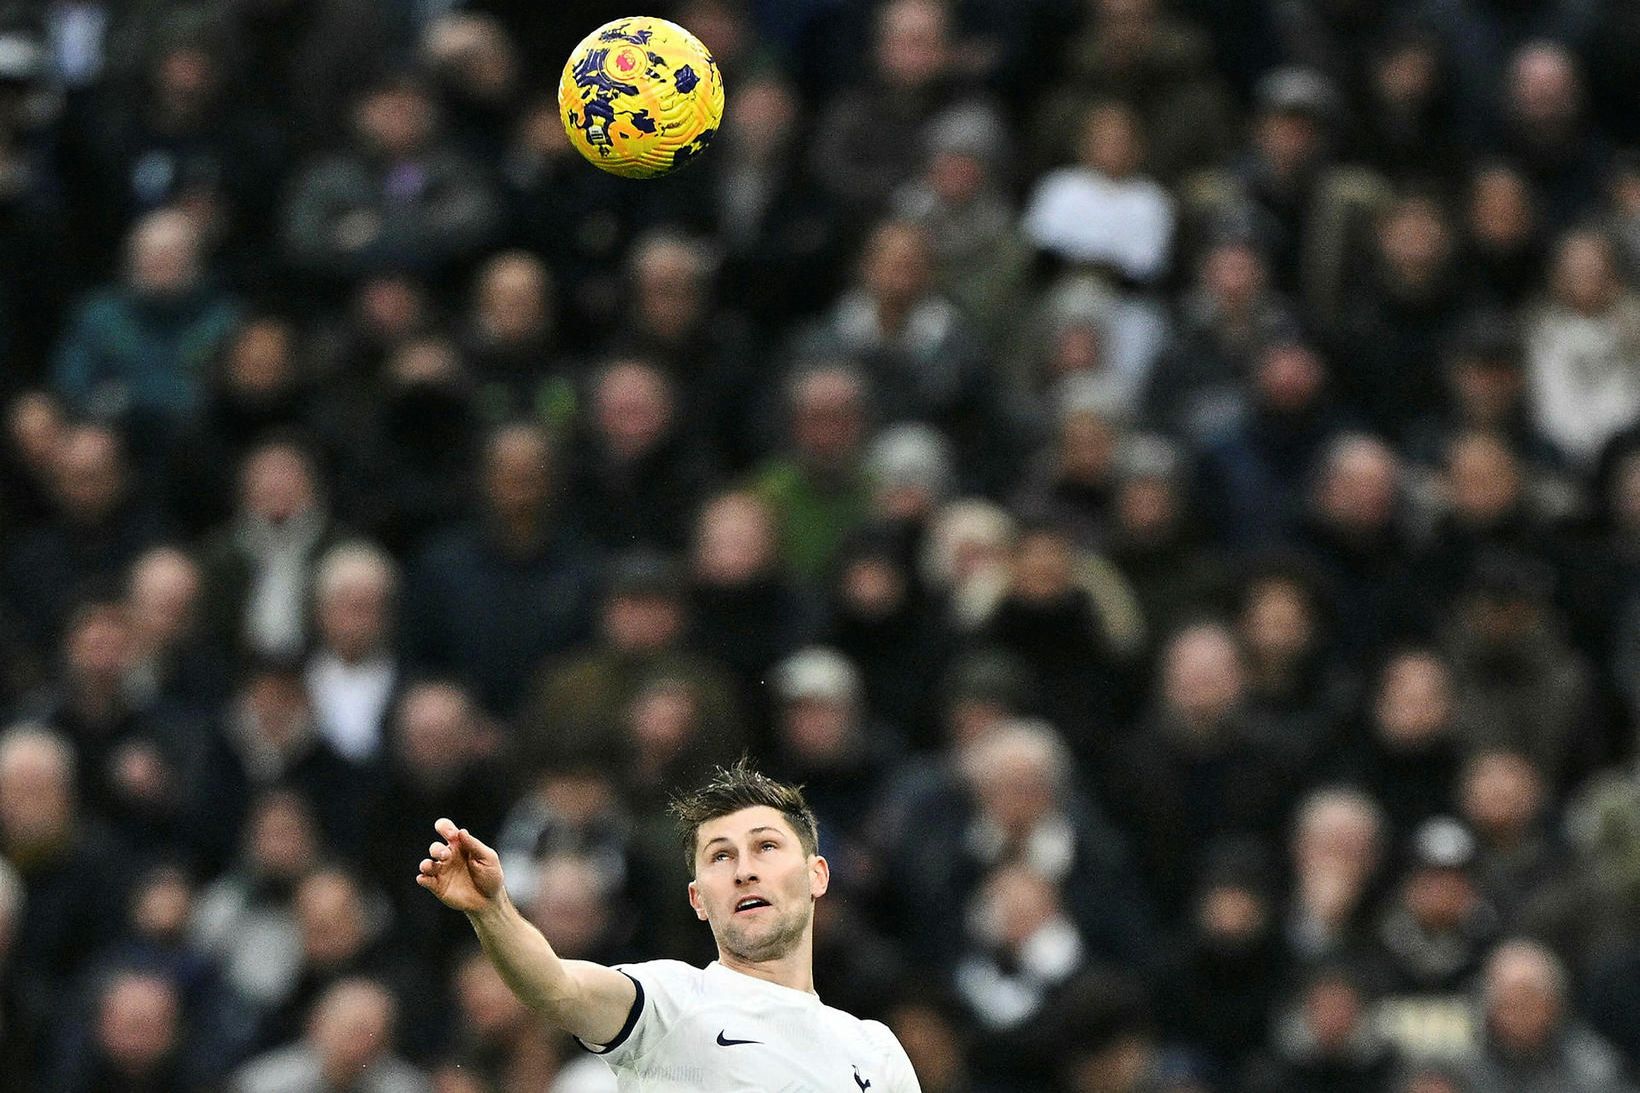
x: 794, y: 970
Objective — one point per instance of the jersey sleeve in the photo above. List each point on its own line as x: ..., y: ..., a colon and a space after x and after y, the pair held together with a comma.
x: 664, y: 988
x: 902, y: 1077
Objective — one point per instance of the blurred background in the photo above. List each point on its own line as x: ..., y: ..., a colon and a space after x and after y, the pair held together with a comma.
x: 1164, y: 474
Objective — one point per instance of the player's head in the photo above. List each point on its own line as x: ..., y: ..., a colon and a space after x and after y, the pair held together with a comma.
x: 753, y: 850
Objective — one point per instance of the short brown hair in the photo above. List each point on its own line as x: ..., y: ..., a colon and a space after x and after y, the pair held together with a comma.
x: 731, y: 789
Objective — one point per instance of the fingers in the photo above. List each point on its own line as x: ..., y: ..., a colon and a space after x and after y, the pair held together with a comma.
x: 446, y: 828
x: 475, y: 848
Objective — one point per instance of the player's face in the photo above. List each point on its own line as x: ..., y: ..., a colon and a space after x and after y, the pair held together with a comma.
x: 754, y: 884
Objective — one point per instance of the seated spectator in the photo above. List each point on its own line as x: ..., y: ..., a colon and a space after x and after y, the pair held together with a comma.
x: 1530, y: 1036
x: 827, y: 739
x: 1157, y: 542
x: 397, y: 196
x: 1020, y: 950
x: 1395, y: 324
x: 405, y: 469
x: 1336, y: 848
x: 1073, y: 479
x: 781, y: 259
x: 1505, y: 243
x: 1017, y: 804
x: 1104, y: 212
x: 519, y: 565
x: 866, y: 142
x: 922, y: 358
x: 1195, y: 769
x: 1431, y: 940
x: 342, y: 930
x: 138, y: 1038
x: 980, y: 258
x: 1312, y: 212
x: 636, y: 478
x: 353, y: 675
x: 746, y: 613
x: 348, y: 1042
x: 1255, y: 473
x: 174, y: 662
x: 1326, y: 1040
x: 136, y: 758
x: 510, y: 341
x: 498, y: 1039
x: 1545, y: 127
x: 1296, y: 687
x: 1582, y: 342
x: 1071, y: 619
x: 75, y: 876
x: 1160, y: 59
x: 1519, y: 683
x: 268, y: 739
x: 1505, y: 801
x: 1408, y: 750
x: 1485, y: 386
x: 579, y: 700
x: 260, y: 384
x: 1228, y: 312
x: 1353, y: 528
x: 139, y: 351
x: 1220, y: 985
x: 244, y: 919
x: 892, y: 629
x: 259, y: 566
x: 100, y: 525
x: 673, y: 317
x: 818, y: 489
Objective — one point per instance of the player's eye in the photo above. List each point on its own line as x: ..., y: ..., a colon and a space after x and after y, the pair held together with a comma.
x: 769, y: 845
x: 720, y: 855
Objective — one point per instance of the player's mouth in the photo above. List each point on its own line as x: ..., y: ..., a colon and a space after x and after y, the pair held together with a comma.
x: 748, y: 904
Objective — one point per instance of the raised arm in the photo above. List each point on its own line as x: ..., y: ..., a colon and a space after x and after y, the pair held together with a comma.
x: 585, y: 999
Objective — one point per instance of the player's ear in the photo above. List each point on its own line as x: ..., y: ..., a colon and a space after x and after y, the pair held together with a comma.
x: 694, y: 901
x: 819, y: 876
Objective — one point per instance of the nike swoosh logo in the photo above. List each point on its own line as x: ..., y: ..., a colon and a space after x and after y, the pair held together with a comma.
x: 724, y: 1042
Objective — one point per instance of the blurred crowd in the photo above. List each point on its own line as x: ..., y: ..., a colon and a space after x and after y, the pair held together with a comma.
x: 1164, y: 474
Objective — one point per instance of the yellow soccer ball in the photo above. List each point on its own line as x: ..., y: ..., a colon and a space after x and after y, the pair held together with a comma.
x: 640, y: 97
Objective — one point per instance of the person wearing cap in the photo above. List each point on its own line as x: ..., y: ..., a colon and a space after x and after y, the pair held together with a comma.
x: 1520, y: 684
x: 1156, y: 540
x: 825, y: 741
x: 1313, y: 214
x: 1430, y: 941
x: 980, y: 259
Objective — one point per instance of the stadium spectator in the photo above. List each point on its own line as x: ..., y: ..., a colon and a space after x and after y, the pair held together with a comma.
x: 1530, y: 1041
x: 520, y: 561
x: 348, y: 1039
x: 138, y: 351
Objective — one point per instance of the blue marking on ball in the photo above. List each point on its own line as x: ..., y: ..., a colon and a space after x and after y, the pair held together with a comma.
x: 620, y: 34
x: 686, y: 80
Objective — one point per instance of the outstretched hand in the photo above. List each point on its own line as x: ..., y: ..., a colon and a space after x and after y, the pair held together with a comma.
x: 461, y: 871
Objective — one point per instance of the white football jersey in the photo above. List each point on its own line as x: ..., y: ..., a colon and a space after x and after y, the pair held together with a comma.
x: 722, y: 1031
